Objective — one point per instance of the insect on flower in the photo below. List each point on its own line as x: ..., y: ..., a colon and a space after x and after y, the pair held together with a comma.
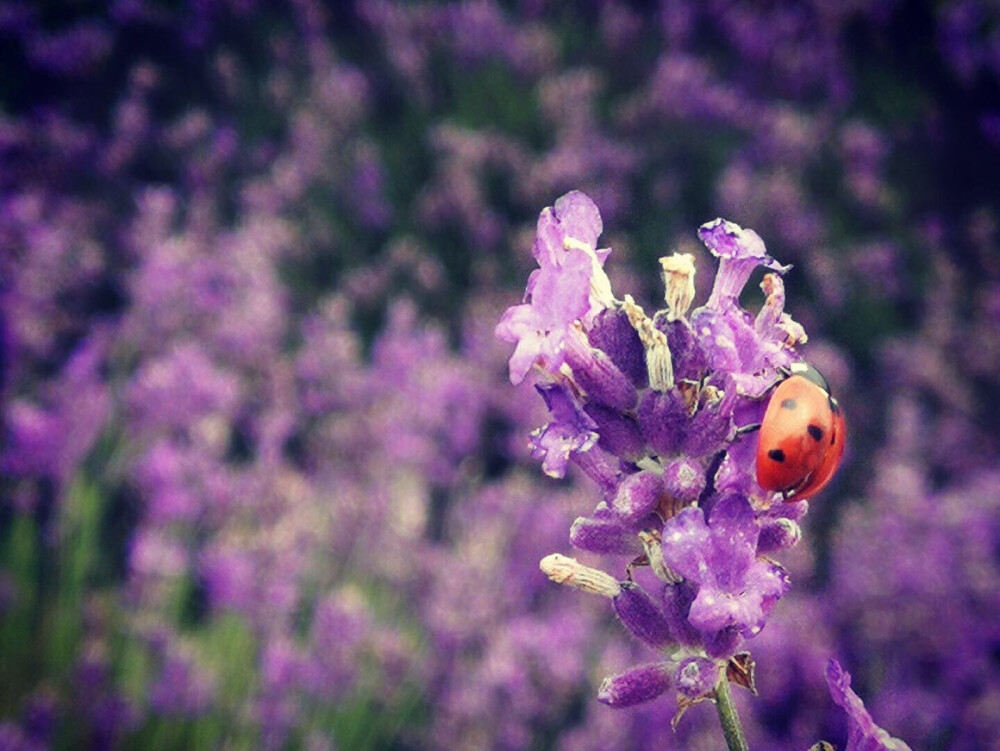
x: 802, y: 436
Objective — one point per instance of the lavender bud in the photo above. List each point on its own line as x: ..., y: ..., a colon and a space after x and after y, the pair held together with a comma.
x: 597, y: 375
x: 778, y: 534
x: 613, y: 334
x: 641, y: 616
x: 619, y: 433
x: 662, y: 419
x: 594, y: 463
x: 684, y: 479
x: 638, y: 495
x: 722, y: 643
x: 677, y: 599
x: 697, y: 678
x: 685, y: 350
x: 640, y: 684
x: 609, y: 536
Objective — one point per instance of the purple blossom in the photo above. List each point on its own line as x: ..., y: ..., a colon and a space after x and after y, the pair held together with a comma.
x: 181, y: 688
x: 682, y: 495
x: 735, y: 589
x: 560, y: 296
x: 570, y: 431
x: 568, y: 287
x: 862, y: 732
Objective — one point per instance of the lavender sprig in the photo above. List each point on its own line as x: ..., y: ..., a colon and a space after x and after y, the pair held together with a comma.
x: 648, y: 408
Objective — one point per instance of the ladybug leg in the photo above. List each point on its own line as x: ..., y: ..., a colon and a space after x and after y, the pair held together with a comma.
x: 640, y: 560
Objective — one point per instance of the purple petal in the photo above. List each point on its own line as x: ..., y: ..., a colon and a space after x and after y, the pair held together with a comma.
x: 579, y: 217
x: 561, y: 295
x: 573, y: 216
x: 677, y: 600
x: 734, y: 541
x: 863, y: 734
x: 728, y: 240
x: 548, y: 248
x: 740, y: 252
x: 570, y: 430
x: 685, y: 541
x: 778, y: 534
x: 715, y: 609
x: 770, y: 580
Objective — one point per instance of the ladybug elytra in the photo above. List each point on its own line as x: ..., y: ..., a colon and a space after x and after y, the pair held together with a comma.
x: 802, y: 436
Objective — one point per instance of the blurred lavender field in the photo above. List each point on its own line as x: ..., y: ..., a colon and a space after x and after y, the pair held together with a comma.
x: 264, y: 482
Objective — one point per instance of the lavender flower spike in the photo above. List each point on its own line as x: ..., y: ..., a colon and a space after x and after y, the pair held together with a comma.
x: 862, y: 732
x: 647, y: 407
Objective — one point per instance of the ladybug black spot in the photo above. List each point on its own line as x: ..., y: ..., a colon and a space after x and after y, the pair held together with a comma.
x: 789, y: 404
x: 815, y: 432
x: 777, y: 454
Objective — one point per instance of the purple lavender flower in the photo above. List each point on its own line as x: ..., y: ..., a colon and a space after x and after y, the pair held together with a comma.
x: 862, y: 732
x: 570, y: 431
x: 677, y: 478
x: 735, y: 588
x: 568, y: 287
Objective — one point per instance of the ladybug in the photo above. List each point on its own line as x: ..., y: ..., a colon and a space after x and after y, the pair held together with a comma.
x: 802, y: 436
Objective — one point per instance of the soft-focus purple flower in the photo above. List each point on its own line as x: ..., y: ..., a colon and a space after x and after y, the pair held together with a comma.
x: 236, y: 223
x: 51, y: 439
x: 14, y: 738
x: 862, y: 732
x: 182, y: 687
x: 74, y: 52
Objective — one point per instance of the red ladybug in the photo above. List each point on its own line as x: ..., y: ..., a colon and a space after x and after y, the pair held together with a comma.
x: 802, y: 436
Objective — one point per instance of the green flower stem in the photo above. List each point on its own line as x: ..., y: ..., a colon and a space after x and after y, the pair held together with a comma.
x: 731, y: 728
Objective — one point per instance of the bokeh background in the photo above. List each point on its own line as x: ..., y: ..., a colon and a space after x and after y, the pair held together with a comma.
x: 265, y: 483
